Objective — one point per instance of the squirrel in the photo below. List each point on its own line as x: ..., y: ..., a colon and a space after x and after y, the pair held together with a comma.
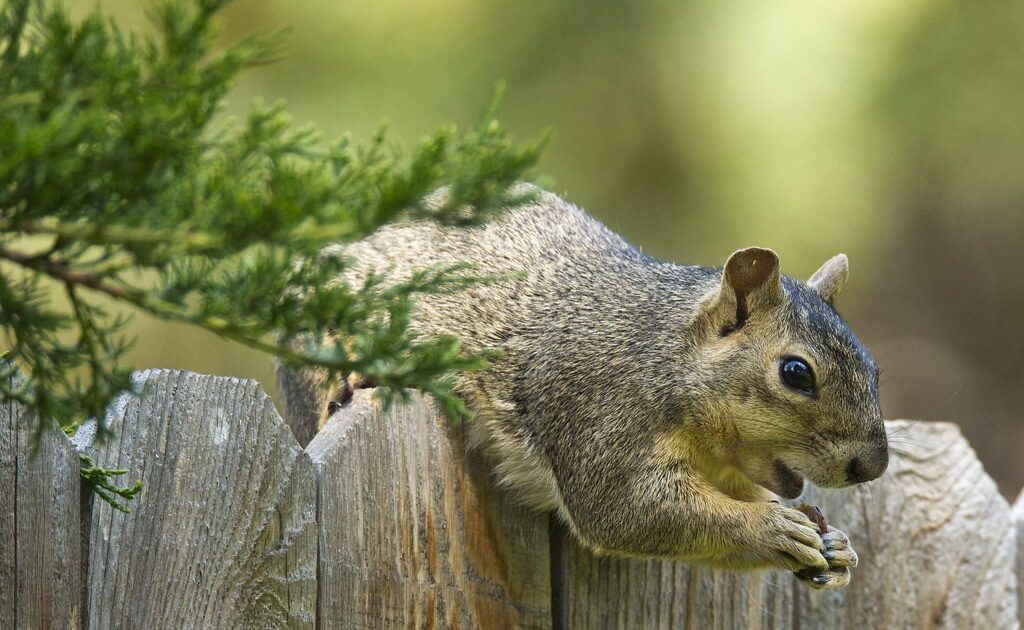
x: 659, y: 409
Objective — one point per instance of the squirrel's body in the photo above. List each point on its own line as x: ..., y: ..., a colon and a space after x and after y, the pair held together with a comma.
x: 567, y: 329
x: 642, y: 400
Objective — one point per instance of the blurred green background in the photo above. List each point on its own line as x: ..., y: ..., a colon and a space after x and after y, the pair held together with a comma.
x: 892, y: 131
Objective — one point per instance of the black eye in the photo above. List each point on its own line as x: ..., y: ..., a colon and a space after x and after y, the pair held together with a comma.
x: 797, y: 374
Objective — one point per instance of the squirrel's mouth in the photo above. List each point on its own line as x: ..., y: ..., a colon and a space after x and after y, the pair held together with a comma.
x: 789, y: 485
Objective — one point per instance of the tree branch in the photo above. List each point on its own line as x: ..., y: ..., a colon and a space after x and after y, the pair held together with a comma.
x: 166, y: 310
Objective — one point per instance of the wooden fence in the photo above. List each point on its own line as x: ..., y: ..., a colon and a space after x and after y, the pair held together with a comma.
x: 385, y: 520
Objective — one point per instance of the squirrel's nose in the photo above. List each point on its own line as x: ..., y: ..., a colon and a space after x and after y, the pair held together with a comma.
x: 856, y: 471
x: 861, y: 469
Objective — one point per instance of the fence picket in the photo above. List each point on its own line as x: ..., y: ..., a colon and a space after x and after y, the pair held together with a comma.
x: 388, y: 520
x: 224, y: 532
x: 412, y: 532
x: 40, y: 548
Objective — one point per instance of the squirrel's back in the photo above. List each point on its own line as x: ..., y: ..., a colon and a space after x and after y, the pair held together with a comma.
x: 556, y: 259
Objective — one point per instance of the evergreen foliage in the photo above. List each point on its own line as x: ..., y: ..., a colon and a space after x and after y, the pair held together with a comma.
x: 120, y: 181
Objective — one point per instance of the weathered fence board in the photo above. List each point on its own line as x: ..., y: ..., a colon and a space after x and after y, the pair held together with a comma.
x: 412, y: 533
x: 1018, y: 520
x: 40, y: 552
x: 935, y: 541
x: 935, y: 535
x: 224, y: 533
x: 388, y: 521
x: 627, y: 593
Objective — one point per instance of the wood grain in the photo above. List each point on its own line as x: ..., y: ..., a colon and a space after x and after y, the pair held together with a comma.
x: 224, y: 532
x: 412, y: 532
x: 935, y: 542
x: 630, y: 593
x: 40, y: 552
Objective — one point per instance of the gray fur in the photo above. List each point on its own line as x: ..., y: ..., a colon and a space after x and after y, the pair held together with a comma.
x: 626, y: 397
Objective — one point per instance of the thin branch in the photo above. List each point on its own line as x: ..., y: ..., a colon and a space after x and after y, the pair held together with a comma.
x: 187, y: 240
x: 165, y: 310
x: 92, y: 233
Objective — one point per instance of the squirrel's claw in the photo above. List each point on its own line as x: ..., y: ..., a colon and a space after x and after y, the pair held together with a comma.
x: 794, y: 538
x: 838, y: 551
x: 343, y: 394
x: 840, y: 557
x: 826, y: 580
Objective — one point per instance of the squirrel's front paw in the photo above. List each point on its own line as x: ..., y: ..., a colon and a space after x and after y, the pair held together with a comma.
x: 790, y: 540
x: 841, y: 558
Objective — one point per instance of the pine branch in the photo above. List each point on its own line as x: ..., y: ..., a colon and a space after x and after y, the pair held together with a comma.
x: 120, y: 182
x: 103, y: 485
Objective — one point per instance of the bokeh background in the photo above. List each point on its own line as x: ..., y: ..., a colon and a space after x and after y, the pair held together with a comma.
x: 892, y: 131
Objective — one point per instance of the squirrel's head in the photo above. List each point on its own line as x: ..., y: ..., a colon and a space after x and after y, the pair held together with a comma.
x: 791, y: 389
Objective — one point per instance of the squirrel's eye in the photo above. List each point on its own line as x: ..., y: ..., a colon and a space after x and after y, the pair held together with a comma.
x: 797, y: 374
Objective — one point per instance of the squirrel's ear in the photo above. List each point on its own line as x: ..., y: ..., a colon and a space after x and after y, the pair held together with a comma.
x: 750, y: 279
x: 751, y: 270
x: 829, y: 280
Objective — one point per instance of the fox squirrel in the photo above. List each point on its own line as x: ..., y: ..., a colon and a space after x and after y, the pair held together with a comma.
x: 657, y: 408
